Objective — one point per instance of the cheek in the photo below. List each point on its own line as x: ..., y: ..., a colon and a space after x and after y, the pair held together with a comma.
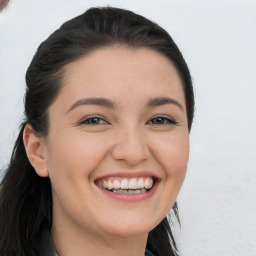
x: 173, y: 154
x: 179, y: 152
x: 174, y: 150
x: 74, y: 156
x: 176, y: 167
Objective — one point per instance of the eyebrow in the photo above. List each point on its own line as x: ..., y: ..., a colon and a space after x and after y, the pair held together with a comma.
x: 112, y: 105
x: 163, y: 101
x: 93, y: 101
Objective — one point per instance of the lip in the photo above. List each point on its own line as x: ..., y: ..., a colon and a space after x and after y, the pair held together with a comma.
x: 130, y: 197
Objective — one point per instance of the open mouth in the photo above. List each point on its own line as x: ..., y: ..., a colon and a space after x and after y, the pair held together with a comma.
x: 124, y: 185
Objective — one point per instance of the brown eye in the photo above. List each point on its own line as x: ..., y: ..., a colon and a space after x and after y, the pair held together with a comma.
x: 160, y: 120
x: 93, y: 121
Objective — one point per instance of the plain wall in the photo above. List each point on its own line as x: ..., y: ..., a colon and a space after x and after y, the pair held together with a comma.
x: 217, y: 202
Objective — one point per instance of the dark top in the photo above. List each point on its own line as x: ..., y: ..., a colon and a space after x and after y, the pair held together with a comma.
x: 47, y: 247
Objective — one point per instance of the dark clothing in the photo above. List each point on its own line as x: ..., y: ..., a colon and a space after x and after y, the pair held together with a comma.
x: 148, y: 253
x: 47, y: 247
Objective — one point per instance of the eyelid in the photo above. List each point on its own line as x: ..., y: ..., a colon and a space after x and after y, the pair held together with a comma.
x: 83, y: 120
x: 171, y: 120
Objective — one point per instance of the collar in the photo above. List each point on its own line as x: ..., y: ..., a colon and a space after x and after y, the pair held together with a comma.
x: 148, y: 253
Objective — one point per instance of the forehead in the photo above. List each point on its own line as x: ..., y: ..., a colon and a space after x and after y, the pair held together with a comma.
x: 122, y: 71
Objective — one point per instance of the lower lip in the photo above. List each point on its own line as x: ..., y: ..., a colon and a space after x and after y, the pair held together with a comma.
x: 131, y: 197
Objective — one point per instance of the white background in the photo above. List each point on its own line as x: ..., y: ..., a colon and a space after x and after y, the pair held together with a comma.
x: 218, y: 39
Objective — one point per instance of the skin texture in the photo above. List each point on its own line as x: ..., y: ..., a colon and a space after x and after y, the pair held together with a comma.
x: 126, y: 138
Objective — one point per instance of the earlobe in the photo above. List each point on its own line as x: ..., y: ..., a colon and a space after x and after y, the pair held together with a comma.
x: 34, y: 146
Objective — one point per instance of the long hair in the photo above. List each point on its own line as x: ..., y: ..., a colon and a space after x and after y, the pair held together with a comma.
x: 25, y: 198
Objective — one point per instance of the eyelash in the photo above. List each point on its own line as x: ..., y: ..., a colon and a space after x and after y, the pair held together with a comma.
x: 88, y: 121
x: 95, y: 120
x: 164, y: 121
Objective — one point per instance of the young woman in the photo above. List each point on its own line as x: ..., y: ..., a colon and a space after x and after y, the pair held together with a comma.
x: 103, y: 150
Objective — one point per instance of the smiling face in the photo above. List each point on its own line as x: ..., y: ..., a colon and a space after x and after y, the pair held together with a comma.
x: 117, y: 148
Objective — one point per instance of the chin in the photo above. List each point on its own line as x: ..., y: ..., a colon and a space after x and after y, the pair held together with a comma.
x: 131, y: 227
x: 129, y: 232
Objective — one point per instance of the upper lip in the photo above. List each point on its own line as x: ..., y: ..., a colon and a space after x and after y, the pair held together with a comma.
x: 129, y: 174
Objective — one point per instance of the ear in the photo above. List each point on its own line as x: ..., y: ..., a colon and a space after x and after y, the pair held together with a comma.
x: 34, y: 146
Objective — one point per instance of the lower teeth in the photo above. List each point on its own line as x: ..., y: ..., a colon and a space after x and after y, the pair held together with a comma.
x: 130, y: 191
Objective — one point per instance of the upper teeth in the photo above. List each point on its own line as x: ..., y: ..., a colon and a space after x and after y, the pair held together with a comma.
x: 126, y: 183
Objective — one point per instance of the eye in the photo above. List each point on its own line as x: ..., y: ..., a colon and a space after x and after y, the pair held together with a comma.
x: 93, y: 120
x: 162, y: 120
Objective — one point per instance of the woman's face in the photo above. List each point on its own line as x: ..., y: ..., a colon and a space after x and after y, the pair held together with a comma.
x: 118, y: 145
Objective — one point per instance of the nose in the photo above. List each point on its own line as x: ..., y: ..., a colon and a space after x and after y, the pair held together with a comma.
x: 131, y: 146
